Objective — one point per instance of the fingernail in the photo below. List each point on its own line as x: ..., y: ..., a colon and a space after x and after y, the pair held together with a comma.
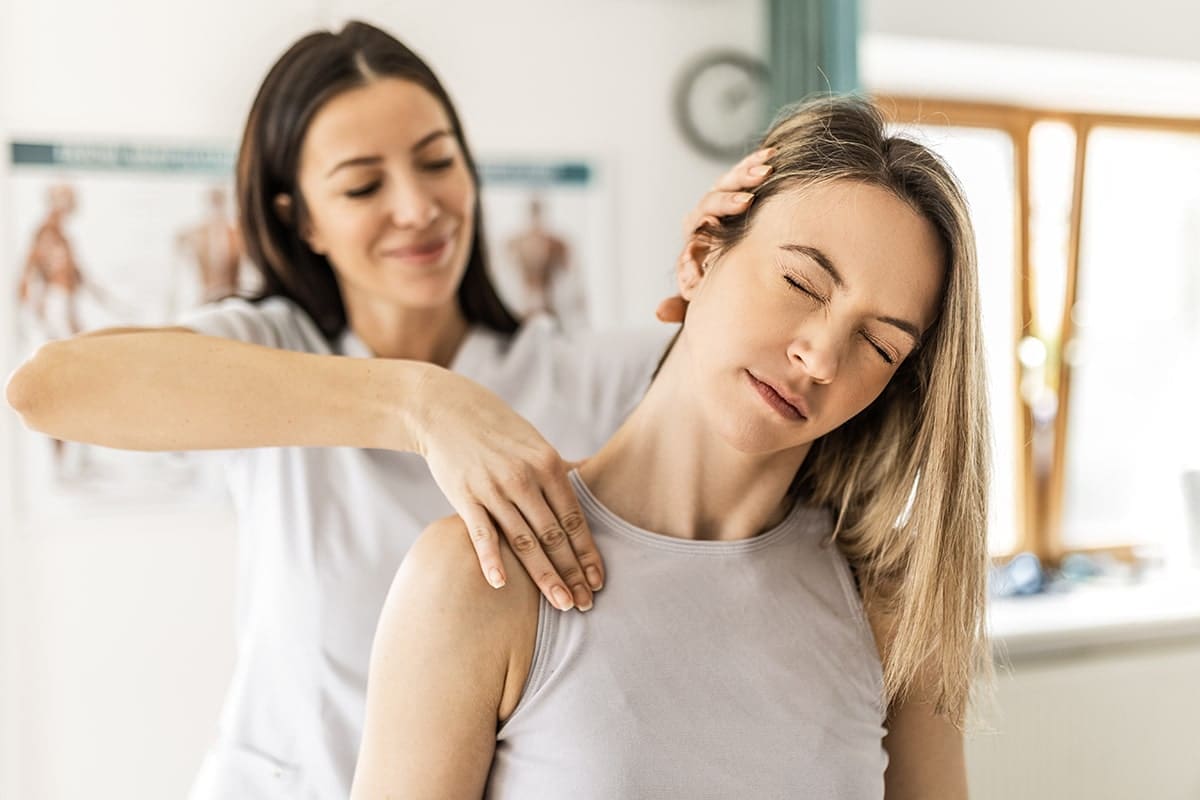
x: 495, y: 578
x: 767, y: 152
x: 562, y: 600
x: 743, y: 197
x: 583, y: 598
x: 593, y: 576
x: 760, y: 170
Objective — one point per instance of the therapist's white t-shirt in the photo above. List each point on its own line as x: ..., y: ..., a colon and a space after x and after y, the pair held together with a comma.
x: 323, y: 530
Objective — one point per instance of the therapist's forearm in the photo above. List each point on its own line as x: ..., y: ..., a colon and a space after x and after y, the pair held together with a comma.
x: 178, y: 390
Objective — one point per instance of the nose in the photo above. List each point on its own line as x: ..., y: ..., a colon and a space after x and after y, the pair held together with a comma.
x: 412, y: 205
x: 818, y: 352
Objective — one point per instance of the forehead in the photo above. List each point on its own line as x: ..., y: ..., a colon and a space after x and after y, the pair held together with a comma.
x: 882, y: 247
x: 385, y: 114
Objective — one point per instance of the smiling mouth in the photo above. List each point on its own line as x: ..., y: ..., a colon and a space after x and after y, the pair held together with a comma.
x: 775, y: 400
x: 426, y: 253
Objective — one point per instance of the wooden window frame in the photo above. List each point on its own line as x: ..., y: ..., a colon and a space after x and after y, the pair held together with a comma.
x: 1039, y: 496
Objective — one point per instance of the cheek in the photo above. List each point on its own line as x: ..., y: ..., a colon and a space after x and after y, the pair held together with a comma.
x: 854, y: 398
x: 342, y: 227
x: 457, y: 196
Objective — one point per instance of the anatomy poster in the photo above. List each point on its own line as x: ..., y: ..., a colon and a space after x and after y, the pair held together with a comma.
x: 549, y: 232
x: 103, y: 235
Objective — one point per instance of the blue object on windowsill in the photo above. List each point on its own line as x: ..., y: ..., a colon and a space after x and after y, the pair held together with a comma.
x: 1022, y: 575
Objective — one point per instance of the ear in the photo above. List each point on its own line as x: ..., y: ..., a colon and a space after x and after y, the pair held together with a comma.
x: 698, y: 255
x: 285, y: 209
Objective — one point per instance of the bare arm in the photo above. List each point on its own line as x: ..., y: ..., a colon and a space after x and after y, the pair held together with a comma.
x: 449, y: 661
x: 172, y: 389
x: 925, y: 749
x: 925, y: 755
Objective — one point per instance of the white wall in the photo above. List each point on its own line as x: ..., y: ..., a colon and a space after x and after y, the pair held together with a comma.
x: 115, y: 636
x: 1113, y: 724
x: 1160, y: 29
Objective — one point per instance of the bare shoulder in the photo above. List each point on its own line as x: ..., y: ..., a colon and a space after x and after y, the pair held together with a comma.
x: 441, y: 671
x: 439, y: 593
x: 441, y: 583
x: 443, y: 562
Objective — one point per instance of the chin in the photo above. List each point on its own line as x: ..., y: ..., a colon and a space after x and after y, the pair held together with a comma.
x: 429, y: 292
x: 750, y: 436
x: 425, y: 301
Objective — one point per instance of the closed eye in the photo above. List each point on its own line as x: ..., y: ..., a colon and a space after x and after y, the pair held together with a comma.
x: 884, y: 353
x: 364, y: 191
x: 438, y: 166
x: 803, y: 289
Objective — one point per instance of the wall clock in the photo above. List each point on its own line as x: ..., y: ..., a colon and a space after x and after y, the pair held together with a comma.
x: 721, y: 103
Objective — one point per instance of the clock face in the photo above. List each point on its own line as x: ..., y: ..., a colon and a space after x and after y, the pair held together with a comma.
x: 721, y: 103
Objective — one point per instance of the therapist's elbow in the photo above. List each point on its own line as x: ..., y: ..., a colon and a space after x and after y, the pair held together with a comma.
x: 30, y: 390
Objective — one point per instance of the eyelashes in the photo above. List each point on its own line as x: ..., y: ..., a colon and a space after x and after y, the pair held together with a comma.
x: 882, y: 353
x: 441, y: 165
x: 803, y: 288
x: 364, y: 191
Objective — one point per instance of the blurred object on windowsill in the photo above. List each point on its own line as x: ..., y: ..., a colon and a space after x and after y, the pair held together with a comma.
x: 1024, y: 574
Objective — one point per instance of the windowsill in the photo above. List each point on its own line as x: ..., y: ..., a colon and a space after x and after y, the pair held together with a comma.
x: 1165, y: 608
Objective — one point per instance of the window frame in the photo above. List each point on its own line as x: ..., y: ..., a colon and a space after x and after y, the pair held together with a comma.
x: 1040, y: 493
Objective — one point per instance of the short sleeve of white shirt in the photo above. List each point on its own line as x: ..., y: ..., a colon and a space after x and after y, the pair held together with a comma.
x: 274, y: 322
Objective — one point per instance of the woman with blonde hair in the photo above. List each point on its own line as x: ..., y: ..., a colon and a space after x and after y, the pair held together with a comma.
x: 792, y: 519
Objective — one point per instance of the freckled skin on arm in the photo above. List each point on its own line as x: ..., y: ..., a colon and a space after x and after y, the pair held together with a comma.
x: 450, y: 658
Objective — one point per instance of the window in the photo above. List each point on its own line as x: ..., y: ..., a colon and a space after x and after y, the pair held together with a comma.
x: 1088, y: 230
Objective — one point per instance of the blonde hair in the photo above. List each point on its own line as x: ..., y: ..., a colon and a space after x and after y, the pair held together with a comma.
x: 907, y: 478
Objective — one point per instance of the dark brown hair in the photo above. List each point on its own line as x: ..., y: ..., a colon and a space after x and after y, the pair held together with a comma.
x: 312, y: 72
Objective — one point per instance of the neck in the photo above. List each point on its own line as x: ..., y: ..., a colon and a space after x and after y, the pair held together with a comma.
x: 665, y: 470
x: 432, y: 335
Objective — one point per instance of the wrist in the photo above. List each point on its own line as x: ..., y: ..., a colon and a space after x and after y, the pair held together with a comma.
x: 413, y: 396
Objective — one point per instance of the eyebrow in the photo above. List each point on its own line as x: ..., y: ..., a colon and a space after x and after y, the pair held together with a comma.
x: 823, y: 261
x: 364, y: 161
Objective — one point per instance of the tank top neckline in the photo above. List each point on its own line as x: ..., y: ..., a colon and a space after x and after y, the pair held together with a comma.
x: 792, y: 523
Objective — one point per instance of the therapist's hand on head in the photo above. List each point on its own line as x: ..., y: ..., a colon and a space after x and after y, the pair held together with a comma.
x: 731, y: 195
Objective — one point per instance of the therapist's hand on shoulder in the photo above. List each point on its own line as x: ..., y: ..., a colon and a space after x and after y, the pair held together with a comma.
x: 503, y: 478
x: 731, y: 195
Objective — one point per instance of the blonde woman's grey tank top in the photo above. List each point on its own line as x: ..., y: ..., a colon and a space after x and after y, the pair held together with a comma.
x: 707, y: 669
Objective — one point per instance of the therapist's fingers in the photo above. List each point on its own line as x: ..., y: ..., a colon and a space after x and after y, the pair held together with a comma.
x: 529, y: 551
x: 715, y: 205
x: 486, y: 542
x: 732, y: 193
x: 551, y: 532
x: 565, y: 505
x: 747, y: 173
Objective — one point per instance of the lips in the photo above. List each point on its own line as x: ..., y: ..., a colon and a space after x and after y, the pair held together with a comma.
x: 428, y: 250
x: 789, y: 405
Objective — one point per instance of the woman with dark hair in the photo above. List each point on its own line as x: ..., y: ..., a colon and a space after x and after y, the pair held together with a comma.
x: 793, y: 519
x: 377, y: 340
